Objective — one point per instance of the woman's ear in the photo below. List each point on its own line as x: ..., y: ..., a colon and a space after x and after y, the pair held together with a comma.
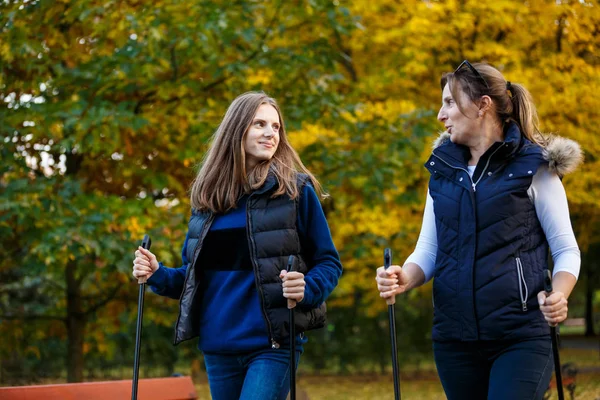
x: 486, y: 104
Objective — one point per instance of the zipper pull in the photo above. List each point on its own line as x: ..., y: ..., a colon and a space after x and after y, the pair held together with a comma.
x: 473, y: 184
x: 524, y: 305
x: 274, y: 344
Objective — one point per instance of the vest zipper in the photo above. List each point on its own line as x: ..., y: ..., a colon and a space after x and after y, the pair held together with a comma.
x: 474, y: 205
x: 474, y: 186
x: 523, y: 290
x: 273, y: 342
x: 487, y: 164
x: 205, y: 229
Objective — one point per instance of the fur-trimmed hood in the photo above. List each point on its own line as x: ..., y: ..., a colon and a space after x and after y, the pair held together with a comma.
x: 563, y: 155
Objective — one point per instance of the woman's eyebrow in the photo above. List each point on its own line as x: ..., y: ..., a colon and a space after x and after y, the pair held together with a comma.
x: 265, y: 121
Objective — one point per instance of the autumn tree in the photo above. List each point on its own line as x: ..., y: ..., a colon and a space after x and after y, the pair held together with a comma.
x: 106, y: 109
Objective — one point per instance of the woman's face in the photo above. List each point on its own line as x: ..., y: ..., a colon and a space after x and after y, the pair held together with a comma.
x: 462, y: 129
x: 262, y: 138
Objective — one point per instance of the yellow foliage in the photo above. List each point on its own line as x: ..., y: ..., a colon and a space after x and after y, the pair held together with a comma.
x: 259, y: 77
x: 5, y: 52
x: 311, y: 134
x: 399, y: 52
x: 135, y: 228
x: 57, y: 130
x: 388, y: 109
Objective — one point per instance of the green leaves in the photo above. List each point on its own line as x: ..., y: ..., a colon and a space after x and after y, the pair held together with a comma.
x: 106, y: 108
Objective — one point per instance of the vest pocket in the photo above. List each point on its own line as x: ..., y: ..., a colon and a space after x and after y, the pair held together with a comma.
x: 523, y: 290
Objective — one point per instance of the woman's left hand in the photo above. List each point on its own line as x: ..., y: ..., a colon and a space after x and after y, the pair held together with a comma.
x: 293, y: 287
x: 554, y: 307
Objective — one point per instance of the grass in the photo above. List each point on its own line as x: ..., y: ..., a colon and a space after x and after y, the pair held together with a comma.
x: 424, y: 385
x: 378, y: 387
x: 355, y: 387
x: 417, y: 382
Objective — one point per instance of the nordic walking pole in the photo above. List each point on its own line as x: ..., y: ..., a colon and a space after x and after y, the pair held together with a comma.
x: 290, y: 268
x: 387, y: 261
x: 554, y: 334
x: 146, y: 242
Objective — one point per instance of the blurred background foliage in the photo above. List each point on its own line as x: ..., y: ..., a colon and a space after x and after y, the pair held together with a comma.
x: 106, y: 108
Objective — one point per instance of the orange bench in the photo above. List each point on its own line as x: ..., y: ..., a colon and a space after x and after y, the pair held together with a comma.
x: 174, y: 388
x: 565, y: 381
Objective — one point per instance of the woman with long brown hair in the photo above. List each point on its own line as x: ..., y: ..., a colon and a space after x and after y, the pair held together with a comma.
x: 494, y: 208
x: 254, y: 204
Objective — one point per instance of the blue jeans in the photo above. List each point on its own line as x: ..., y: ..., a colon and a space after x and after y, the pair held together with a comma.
x: 260, y: 375
x: 495, y: 370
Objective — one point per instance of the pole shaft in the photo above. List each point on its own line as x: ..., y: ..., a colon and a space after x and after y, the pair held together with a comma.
x: 392, y: 316
x: 557, y: 370
x: 292, y: 320
x: 387, y: 262
x: 292, y: 355
x: 138, y: 341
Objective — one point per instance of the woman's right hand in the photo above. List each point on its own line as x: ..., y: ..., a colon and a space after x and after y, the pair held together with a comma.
x: 391, y: 281
x: 145, y: 264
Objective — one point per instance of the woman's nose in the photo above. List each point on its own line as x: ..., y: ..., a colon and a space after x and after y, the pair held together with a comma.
x: 269, y: 131
x: 442, y: 115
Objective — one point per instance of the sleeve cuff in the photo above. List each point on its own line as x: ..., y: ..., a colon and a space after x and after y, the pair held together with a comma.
x: 158, y: 276
x: 568, y: 262
x: 309, y: 296
x: 424, y: 264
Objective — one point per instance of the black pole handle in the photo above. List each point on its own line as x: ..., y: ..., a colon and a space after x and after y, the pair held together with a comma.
x: 547, y: 281
x: 146, y: 243
x: 387, y: 258
x: 291, y: 267
x: 387, y: 261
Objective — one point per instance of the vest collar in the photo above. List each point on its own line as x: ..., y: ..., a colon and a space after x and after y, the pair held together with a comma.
x: 269, y: 184
x: 459, y: 155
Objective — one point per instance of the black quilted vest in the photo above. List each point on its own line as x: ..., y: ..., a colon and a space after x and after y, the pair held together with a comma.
x: 272, y: 238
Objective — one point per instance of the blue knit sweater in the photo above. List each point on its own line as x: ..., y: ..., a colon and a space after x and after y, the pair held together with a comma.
x: 231, y: 320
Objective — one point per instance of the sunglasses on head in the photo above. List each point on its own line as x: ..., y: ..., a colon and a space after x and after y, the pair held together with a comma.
x: 466, y: 64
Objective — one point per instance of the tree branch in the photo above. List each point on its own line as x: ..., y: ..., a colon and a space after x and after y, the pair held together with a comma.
x: 148, y: 96
x: 559, y: 33
x: 346, y: 57
x: 145, y: 99
x: 103, y: 302
x: 256, y: 51
x: 32, y: 317
x: 52, y: 283
x: 174, y: 64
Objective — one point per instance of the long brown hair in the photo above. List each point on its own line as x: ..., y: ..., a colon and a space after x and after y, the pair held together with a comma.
x: 512, y: 101
x: 222, y: 177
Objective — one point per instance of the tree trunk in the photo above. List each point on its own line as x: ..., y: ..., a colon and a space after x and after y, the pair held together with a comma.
x: 76, y: 322
x: 589, y: 294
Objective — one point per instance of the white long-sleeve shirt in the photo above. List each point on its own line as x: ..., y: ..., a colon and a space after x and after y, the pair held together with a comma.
x: 550, y: 200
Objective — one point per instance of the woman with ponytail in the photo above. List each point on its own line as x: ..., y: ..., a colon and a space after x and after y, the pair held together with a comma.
x: 495, y: 207
x: 254, y: 204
